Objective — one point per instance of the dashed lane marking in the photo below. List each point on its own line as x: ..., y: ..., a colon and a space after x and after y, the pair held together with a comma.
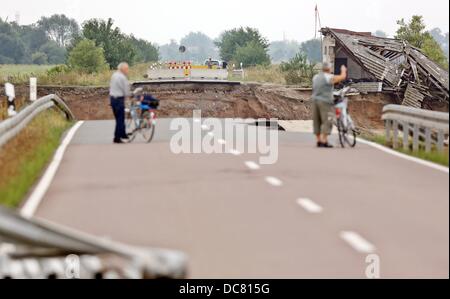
x: 309, y: 205
x: 252, y: 165
x: 357, y: 242
x: 274, y: 181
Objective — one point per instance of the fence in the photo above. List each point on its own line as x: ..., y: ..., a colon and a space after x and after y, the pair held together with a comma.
x: 429, y: 127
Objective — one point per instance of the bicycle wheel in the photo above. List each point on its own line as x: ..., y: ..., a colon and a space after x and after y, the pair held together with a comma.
x: 341, y: 132
x: 346, y: 136
x: 350, y: 138
x: 130, y: 125
x: 148, y: 127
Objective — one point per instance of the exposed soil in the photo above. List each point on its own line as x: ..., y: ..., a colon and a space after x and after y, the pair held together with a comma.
x: 216, y: 100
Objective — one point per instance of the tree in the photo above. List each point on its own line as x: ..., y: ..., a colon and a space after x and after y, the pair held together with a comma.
x: 87, y: 57
x: 60, y: 29
x: 55, y: 54
x: 231, y: 40
x: 169, y: 52
x: 312, y: 49
x: 145, y: 51
x: 117, y: 47
x: 12, y: 49
x: 199, y: 47
x: 252, y: 54
x: 282, y: 51
x: 39, y: 58
x: 380, y: 33
x: 33, y: 37
x: 441, y: 38
x: 434, y: 51
x: 414, y: 33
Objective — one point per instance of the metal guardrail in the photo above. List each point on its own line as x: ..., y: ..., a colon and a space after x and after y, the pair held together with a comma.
x: 430, y: 127
x: 31, y: 248
x: 47, y: 246
x: 10, y: 127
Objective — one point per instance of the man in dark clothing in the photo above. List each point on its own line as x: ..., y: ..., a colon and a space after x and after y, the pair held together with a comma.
x: 118, y: 92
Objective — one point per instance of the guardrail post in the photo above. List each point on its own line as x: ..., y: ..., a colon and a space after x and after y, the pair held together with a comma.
x: 405, y: 135
x: 417, y: 124
x: 33, y: 89
x: 428, y: 140
x: 416, y: 137
x: 395, y: 134
x: 440, y: 141
x: 388, y: 125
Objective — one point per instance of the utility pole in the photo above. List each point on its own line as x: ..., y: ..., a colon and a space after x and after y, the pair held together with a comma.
x: 17, y: 17
x: 317, y: 21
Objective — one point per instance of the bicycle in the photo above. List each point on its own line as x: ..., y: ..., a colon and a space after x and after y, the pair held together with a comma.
x: 140, y: 120
x: 343, y: 121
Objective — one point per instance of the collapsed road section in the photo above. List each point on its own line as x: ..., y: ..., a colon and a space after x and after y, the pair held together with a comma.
x: 249, y: 100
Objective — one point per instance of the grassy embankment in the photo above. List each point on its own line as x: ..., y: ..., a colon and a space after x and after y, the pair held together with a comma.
x: 441, y: 158
x: 24, y: 158
x: 20, y: 74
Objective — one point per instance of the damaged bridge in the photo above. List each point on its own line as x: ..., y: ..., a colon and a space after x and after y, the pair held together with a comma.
x: 386, y: 64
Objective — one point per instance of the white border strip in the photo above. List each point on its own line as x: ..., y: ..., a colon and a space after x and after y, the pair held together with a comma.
x: 32, y: 203
x: 404, y: 156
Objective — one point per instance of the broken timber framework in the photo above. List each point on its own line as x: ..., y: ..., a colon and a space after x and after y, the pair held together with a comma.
x: 400, y: 67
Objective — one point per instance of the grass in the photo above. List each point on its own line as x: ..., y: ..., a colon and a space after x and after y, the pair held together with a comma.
x: 23, y: 159
x: 264, y: 74
x: 20, y: 74
x: 441, y: 158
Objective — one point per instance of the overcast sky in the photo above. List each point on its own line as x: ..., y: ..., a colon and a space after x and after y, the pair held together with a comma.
x: 162, y: 20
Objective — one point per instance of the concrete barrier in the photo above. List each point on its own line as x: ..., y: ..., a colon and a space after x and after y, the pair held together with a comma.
x: 166, y: 74
x: 219, y: 74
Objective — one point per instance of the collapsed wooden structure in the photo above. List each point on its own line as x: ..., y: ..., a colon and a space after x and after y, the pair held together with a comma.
x: 397, y: 65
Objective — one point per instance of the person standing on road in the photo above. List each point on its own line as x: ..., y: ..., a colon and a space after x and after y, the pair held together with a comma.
x: 323, y: 86
x: 119, y: 90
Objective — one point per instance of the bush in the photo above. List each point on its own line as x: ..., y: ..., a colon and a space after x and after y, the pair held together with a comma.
x: 86, y: 57
x: 298, y: 70
x: 252, y: 54
x: 55, y: 54
x: 58, y: 70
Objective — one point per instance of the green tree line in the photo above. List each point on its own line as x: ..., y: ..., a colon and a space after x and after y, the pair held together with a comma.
x: 52, y: 39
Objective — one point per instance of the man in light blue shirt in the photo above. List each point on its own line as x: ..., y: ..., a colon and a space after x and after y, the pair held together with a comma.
x: 119, y: 90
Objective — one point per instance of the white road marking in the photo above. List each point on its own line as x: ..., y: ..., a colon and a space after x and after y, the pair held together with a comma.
x: 221, y: 141
x: 252, y: 165
x: 235, y: 152
x: 32, y: 203
x: 309, y: 205
x: 274, y: 181
x: 404, y: 156
x: 357, y: 242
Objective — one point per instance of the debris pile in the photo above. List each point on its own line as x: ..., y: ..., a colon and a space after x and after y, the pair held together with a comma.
x: 399, y: 66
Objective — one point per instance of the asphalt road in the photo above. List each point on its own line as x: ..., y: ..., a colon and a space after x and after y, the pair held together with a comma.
x: 316, y: 213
